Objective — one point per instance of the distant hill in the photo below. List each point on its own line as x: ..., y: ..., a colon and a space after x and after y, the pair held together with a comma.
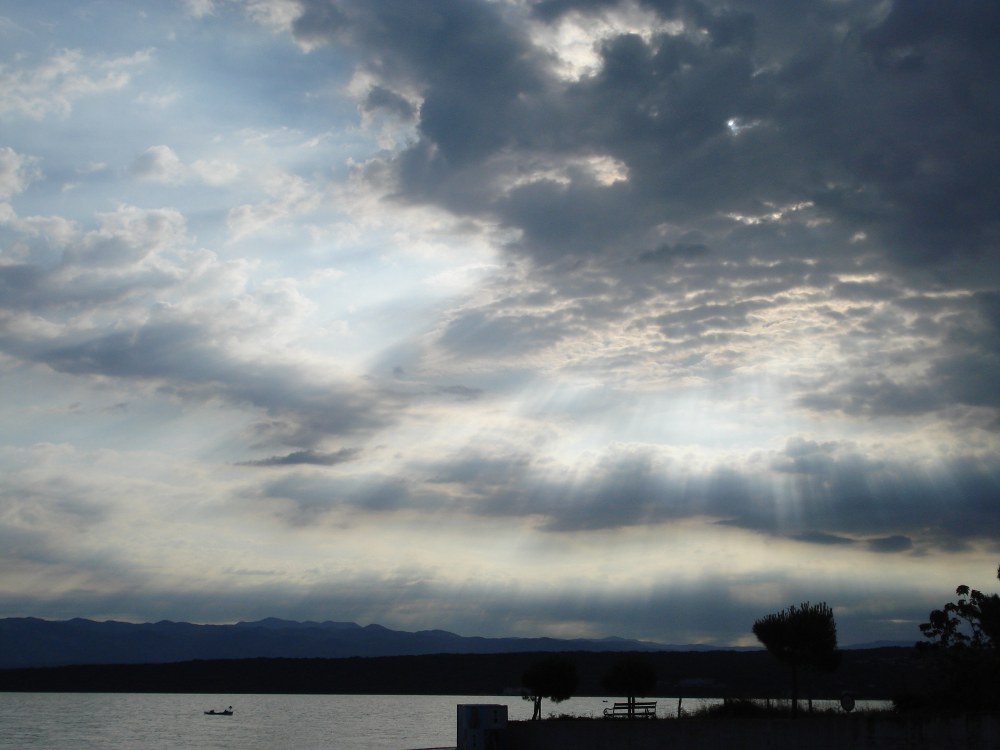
x: 33, y: 642
x: 876, y: 673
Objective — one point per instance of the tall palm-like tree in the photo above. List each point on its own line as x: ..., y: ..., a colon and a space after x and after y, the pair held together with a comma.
x: 800, y: 636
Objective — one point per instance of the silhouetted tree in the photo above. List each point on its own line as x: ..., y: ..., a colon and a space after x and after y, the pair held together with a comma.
x: 553, y: 677
x: 963, y: 643
x: 971, y: 622
x: 801, y: 636
x: 630, y: 676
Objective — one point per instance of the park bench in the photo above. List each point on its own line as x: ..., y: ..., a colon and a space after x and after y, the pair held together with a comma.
x: 640, y: 710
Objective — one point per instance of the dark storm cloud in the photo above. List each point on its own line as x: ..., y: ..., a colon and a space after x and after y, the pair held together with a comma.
x: 40, y: 516
x: 44, y: 519
x: 110, y: 271
x: 478, y: 63
x: 840, y: 490
x: 714, y: 610
x: 480, y: 473
x: 933, y: 172
x: 843, y: 141
x: 697, y: 320
x: 19, y: 284
x: 75, y: 285
x: 884, y: 123
x: 306, y: 498
x: 28, y: 545
x: 819, y: 537
x: 179, y: 355
x: 842, y: 157
x: 953, y: 351
x: 503, y: 333
x: 461, y: 392
x: 876, y: 394
x: 894, y: 543
x: 624, y: 490
x: 669, y: 253
x: 838, y: 497
x: 316, y: 458
x: 380, y: 99
x: 720, y: 609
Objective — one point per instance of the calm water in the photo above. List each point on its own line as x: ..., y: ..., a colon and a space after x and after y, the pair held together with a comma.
x: 116, y: 721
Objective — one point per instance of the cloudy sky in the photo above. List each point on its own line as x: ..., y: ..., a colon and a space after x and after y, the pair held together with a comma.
x: 508, y: 317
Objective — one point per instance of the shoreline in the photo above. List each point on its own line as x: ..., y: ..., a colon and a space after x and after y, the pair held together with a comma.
x: 869, y: 674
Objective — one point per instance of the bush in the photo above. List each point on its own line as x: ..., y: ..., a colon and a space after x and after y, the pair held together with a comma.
x: 742, y: 708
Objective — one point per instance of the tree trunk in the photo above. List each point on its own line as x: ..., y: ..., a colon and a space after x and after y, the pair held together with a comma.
x: 795, y: 690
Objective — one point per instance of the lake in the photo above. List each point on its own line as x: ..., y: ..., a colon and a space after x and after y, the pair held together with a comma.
x: 142, y: 721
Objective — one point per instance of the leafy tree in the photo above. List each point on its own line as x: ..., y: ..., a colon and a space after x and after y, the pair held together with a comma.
x: 553, y: 677
x: 630, y: 676
x: 972, y: 622
x: 963, y: 646
x: 803, y: 636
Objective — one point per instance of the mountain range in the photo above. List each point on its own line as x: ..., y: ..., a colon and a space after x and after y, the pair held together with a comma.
x: 33, y: 642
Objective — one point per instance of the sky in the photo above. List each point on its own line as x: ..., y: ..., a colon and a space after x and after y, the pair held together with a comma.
x: 573, y: 318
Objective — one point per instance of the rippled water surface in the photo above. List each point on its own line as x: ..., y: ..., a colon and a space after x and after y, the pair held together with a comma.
x: 120, y: 721
x: 64, y: 721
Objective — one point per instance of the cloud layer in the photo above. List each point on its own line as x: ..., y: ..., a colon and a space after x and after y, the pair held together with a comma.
x: 502, y: 317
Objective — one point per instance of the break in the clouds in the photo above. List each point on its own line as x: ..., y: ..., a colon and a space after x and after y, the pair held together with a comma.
x: 564, y: 317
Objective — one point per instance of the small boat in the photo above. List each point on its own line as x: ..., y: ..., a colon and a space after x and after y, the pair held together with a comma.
x: 213, y: 712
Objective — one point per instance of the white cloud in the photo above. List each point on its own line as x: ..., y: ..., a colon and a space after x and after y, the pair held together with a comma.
x: 161, y: 164
x: 276, y: 15
x: 127, y: 236
x: 51, y: 87
x: 199, y: 8
x: 17, y: 171
x: 57, y: 230
x: 215, y: 172
x: 290, y: 196
x: 160, y: 100
x: 593, y: 284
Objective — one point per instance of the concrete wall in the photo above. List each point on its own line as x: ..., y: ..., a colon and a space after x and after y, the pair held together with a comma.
x: 815, y: 733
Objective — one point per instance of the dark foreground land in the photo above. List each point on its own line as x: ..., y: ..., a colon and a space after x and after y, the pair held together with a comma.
x: 826, y: 732
x: 878, y: 673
